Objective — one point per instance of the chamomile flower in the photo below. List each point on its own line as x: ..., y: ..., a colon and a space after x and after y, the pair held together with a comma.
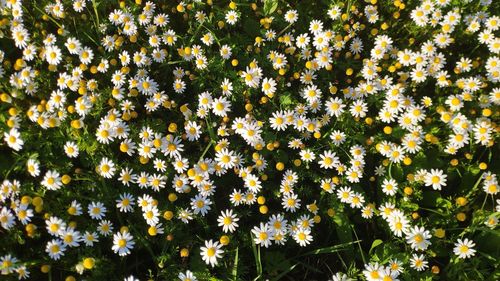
x: 123, y: 243
x: 187, y: 276
x: 262, y: 235
x: 418, y: 262
x: 52, y: 180
x: 211, y: 252
x: 53, y: 55
x: 232, y: 17
x: 96, y: 210
x: 13, y: 139
x: 436, y: 179
x: 302, y: 236
x: 389, y: 187
x: 228, y: 221
x: 418, y: 238
x: 126, y: 203
x: 71, y: 149
x: 55, y: 248
x: 106, y: 168
x: 464, y: 249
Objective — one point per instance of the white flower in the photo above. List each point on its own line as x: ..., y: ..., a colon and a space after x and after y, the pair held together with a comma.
x: 13, y: 139
x: 435, y: 178
x: 96, y: 210
x: 200, y: 204
x: 211, y: 252
x: 464, y: 248
x: 418, y: 262
x: 55, y: 248
x: 221, y: 106
x: 7, y: 219
x: 53, y: 55
x: 328, y: 160
x: 225, y: 52
x: 122, y: 243
x: 52, y: 180
x: 187, y: 276
x: 290, y: 202
x: 307, y: 155
x: 418, y: 238
x: 302, y: 236
x: 151, y: 214
x: 232, y: 17
x: 291, y: 16
x: 228, y: 221
x: 106, y: 168
x: 33, y: 167
x: 71, y: 149
x: 278, y: 121
x: 263, y: 235
x: 390, y: 187
x: 225, y: 158
x: 253, y: 183
x: 192, y: 130
x: 268, y: 86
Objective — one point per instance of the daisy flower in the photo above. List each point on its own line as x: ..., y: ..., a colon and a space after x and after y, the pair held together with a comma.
x: 262, y: 235
x: 290, y: 202
x: 464, y: 249
x: 291, y: 16
x: 435, y: 178
x: 7, y: 219
x: 328, y: 160
x: 268, y: 86
x: 225, y: 52
x: 200, y: 204
x: 96, y: 210
x: 106, y: 168
x: 418, y: 238
x: 228, y: 221
x: 13, y: 139
x: 231, y: 17
x: 390, y: 187
x: 278, y: 121
x: 225, y: 158
x: 52, y: 180
x: 55, y: 248
x: 211, y: 252
x: 221, y: 106
x: 307, y: 155
x: 302, y: 236
x: 126, y: 203
x: 192, y: 130
x: 33, y: 167
x: 122, y: 243
x: 53, y: 55
x: 418, y: 262
x: 71, y: 149
x: 187, y: 276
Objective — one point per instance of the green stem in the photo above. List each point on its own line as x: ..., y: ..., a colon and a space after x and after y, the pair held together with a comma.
x: 94, y: 5
x: 206, y: 149
x: 51, y: 18
x: 484, y: 202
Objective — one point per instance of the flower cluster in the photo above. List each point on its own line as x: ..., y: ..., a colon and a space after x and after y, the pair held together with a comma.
x: 235, y: 130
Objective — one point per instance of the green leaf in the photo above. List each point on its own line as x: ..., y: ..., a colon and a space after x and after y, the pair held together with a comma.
x: 331, y: 249
x: 344, y: 233
x: 258, y: 262
x: 270, y: 6
x: 375, y: 243
x: 235, y: 265
x: 285, y: 100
